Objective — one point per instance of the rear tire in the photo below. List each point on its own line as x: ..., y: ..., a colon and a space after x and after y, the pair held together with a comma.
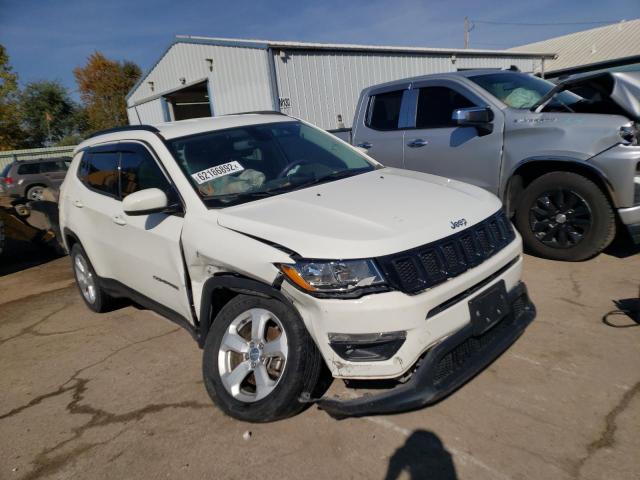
x: 259, y: 360
x: 88, y: 282
x: 565, y: 216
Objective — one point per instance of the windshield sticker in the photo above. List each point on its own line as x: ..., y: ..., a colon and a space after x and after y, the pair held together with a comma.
x: 216, y: 172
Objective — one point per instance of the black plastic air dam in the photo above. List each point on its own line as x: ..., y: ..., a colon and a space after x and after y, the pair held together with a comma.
x: 465, y: 354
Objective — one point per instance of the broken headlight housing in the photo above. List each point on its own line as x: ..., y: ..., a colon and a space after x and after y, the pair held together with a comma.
x: 629, y: 133
x: 335, y: 278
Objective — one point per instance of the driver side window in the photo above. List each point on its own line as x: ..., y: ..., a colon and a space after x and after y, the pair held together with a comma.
x: 436, y: 105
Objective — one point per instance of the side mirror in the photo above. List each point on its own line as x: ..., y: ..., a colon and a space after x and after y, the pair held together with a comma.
x: 479, y: 117
x: 145, y: 202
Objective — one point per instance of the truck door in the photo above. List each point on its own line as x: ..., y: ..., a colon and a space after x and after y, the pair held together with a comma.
x: 380, y: 122
x: 436, y: 145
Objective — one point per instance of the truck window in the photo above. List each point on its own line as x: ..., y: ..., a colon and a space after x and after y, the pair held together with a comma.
x: 139, y: 171
x: 384, y: 110
x: 99, y: 171
x: 436, y: 105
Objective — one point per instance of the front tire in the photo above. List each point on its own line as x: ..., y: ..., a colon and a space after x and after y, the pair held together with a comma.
x: 259, y: 360
x: 565, y: 216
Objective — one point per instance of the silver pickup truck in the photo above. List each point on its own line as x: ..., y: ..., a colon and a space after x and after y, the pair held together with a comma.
x: 565, y: 158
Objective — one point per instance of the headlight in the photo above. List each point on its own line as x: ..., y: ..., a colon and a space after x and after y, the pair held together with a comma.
x: 334, y: 277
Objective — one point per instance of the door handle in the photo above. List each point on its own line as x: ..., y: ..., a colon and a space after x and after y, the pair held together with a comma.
x: 418, y: 142
x: 118, y: 220
x: 365, y: 145
x: 78, y: 203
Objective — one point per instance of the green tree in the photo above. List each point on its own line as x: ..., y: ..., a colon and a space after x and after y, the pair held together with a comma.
x: 11, y: 135
x: 48, y: 113
x: 103, y: 85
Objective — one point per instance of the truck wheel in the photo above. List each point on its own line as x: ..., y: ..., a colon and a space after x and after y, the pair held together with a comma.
x: 88, y: 283
x: 565, y: 216
x: 259, y: 360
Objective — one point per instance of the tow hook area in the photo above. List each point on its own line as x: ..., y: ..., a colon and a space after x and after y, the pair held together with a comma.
x: 445, y: 367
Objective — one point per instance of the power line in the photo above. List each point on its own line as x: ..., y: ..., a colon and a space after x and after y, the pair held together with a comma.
x: 543, y: 24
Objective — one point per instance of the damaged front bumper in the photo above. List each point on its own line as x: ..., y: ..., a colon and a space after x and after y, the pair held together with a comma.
x: 445, y: 367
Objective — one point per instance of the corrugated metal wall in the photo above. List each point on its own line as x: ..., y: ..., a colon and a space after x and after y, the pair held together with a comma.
x: 320, y: 85
x: 149, y: 112
x: 239, y: 80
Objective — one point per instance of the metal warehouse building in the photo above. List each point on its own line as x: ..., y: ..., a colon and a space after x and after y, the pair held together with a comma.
x: 201, y: 77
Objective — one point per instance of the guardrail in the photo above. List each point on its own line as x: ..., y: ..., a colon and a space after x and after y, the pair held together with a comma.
x: 9, y: 156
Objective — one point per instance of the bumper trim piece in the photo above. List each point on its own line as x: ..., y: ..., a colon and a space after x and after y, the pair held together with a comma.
x: 445, y: 367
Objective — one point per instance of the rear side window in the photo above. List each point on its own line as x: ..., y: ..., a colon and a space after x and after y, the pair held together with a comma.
x: 436, y: 105
x: 138, y: 171
x: 99, y: 171
x: 29, y: 169
x: 47, y: 167
x: 384, y: 110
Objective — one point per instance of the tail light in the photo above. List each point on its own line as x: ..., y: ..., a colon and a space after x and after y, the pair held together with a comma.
x: 8, y: 180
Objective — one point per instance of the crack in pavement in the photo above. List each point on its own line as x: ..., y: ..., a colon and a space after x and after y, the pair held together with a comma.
x: 35, y: 295
x: 30, y: 328
x: 607, y: 436
x: 44, y: 463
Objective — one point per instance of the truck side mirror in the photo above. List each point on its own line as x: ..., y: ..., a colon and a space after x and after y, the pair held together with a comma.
x: 478, y: 117
x: 145, y: 202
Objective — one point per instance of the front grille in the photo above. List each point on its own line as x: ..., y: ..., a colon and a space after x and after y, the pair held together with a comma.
x: 423, y: 267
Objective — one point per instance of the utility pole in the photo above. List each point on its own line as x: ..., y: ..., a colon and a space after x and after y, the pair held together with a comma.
x: 466, y: 32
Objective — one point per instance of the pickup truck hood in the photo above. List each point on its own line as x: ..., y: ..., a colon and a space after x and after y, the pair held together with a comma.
x: 368, y: 215
x: 621, y: 88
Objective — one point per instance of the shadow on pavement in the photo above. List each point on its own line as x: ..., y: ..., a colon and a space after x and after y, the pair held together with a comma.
x: 622, y: 246
x: 626, y: 315
x: 20, y: 255
x: 423, y: 457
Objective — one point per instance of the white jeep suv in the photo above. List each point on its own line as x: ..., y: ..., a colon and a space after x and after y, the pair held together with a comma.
x: 283, y: 249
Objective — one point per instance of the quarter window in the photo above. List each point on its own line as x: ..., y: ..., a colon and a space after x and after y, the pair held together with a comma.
x: 384, y: 110
x: 29, y: 169
x: 436, y: 105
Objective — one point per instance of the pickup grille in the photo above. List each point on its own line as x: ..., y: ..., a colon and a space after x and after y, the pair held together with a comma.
x: 423, y: 267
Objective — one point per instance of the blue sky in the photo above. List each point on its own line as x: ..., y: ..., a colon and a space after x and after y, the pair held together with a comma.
x: 46, y: 39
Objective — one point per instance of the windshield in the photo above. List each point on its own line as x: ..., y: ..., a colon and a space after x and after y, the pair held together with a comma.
x: 521, y: 91
x: 240, y: 164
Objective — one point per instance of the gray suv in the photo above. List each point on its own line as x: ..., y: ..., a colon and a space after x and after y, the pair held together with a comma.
x: 565, y: 159
x: 28, y: 178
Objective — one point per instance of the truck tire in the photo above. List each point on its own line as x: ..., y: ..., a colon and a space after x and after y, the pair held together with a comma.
x: 88, y: 282
x: 565, y: 216
x: 259, y: 361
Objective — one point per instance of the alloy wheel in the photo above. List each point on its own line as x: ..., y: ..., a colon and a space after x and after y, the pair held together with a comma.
x: 560, y: 218
x: 253, y: 355
x: 86, y: 280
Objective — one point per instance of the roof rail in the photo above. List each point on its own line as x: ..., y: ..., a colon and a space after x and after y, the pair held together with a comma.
x: 259, y: 112
x: 126, y: 128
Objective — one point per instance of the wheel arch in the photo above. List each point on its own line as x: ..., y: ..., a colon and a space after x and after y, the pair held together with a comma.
x: 220, y: 289
x: 530, y: 169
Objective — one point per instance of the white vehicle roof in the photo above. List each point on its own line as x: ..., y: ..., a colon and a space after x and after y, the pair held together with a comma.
x: 192, y: 126
x: 181, y: 128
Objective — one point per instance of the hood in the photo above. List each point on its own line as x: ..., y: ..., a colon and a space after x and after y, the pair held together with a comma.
x: 376, y: 213
x: 615, y: 93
